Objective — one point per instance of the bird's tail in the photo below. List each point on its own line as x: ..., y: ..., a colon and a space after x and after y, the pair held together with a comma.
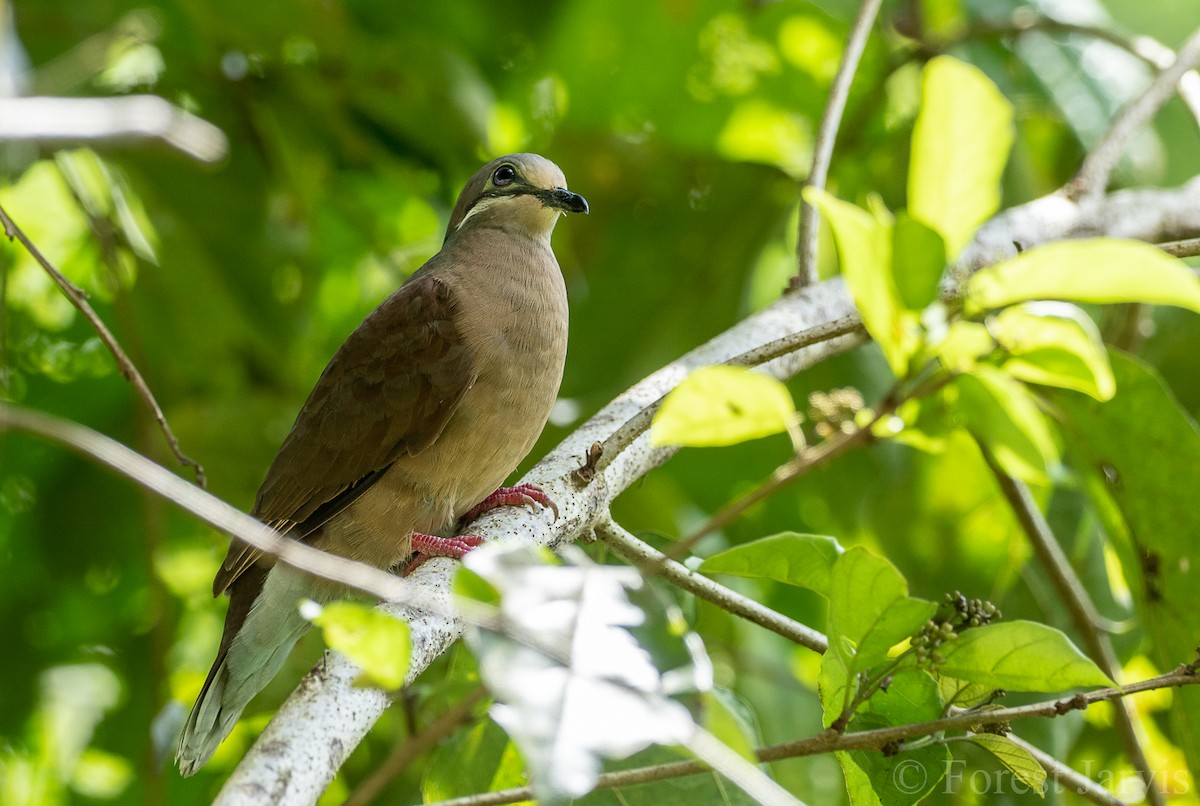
x: 258, y: 636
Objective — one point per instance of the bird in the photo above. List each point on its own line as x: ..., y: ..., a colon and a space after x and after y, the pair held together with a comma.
x: 414, y: 424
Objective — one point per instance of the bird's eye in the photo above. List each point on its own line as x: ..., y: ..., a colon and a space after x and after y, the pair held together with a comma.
x: 504, y: 175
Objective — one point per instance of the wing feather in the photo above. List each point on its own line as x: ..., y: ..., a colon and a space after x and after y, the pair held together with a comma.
x: 388, y: 391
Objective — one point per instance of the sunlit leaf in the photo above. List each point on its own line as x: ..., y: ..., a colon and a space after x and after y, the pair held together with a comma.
x: 789, y: 557
x: 1016, y: 758
x: 1002, y: 414
x: 758, y: 131
x: 378, y: 643
x: 602, y: 677
x: 101, y: 775
x: 963, y: 345
x: 722, y: 405
x: 864, y: 245
x: 1054, y: 344
x: 960, y: 144
x: 1100, y: 270
x: 1019, y: 656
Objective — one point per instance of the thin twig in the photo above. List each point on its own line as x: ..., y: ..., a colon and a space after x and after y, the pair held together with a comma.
x: 829, y: 741
x: 831, y: 119
x: 1079, y: 783
x: 414, y: 746
x: 1186, y: 248
x: 649, y: 560
x: 1092, y: 178
x: 79, y: 299
x: 1079, y: 605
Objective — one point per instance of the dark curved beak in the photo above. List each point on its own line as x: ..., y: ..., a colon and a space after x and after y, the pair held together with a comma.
x: 563, y: 199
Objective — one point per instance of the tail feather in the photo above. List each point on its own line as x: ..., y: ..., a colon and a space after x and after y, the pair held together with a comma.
x: 261, y: 627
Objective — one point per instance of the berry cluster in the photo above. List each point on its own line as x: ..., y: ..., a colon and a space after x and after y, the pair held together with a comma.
x: 955, y: 614
x: 833, y: 412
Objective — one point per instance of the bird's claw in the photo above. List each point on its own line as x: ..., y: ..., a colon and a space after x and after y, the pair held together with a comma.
x: 522, y: 495
x: 429, y: 546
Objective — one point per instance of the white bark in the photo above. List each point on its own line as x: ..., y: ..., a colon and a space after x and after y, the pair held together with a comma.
x: 130, y: 118
x: 325, y: 717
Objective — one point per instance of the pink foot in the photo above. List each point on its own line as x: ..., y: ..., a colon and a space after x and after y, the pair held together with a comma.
x: 523, y: 495
x: 427, y: 546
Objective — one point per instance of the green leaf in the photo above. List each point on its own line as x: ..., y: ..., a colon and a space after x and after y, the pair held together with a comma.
x: 1137, y: 455
x: 722, y: 405
x: 378, y: 643
x: 864, y: 245
x: 1099, y: 270
x: 964, y: 344
x: 1054, y: 344
x: 1019, y: 656
x: 869, y: 604
x: 960, y: 143
x: 1016, y: 758
x: 788, y: 557
x: 911, y: 696
x: 903, y: 779
x: 731, y: 721
x: 1002, y: 414
x: 918, y: 260
x: 926, y: 423
x: 474, y: 759
x: 870, y: 611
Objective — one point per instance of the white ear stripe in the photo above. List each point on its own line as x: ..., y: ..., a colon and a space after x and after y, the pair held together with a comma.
x: 479, y: 207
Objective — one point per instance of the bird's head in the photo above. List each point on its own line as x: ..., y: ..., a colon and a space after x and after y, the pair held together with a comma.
x: 522, y: 191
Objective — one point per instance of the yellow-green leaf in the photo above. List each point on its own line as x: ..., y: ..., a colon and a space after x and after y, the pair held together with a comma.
x: 1100, y: 270
x: 1054, y: 344
x: 864, y: 243
x: 1018, y: 760
x: 378, y: 643
x: 789, y: 557
x: 722, y: 405
x: 1001, y: 413
x: 964, y: 344
x: 960, y: 143
x: 1020, y: 656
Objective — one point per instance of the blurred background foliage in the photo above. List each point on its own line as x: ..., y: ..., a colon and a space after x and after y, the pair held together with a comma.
x: 352, y: 124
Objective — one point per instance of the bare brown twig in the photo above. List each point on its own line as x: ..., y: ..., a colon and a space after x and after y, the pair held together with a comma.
x: 130, y: 372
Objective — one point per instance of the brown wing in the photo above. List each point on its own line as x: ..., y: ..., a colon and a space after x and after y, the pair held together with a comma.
x: 388, y: 391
